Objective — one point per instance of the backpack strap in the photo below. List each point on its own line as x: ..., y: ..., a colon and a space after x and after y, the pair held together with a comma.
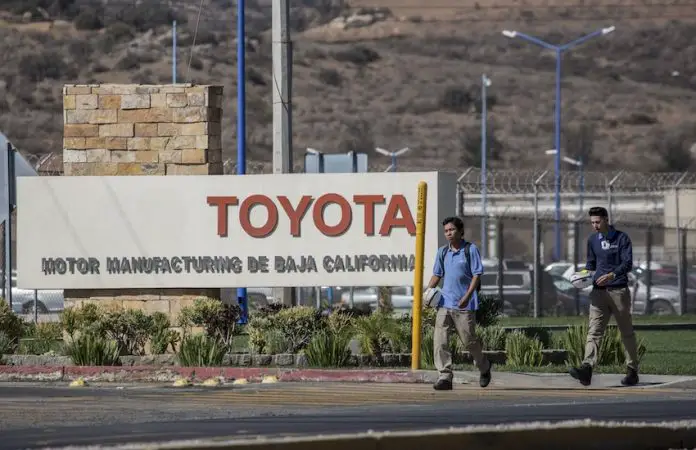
x: 467, y: 253
x: 441, y: 252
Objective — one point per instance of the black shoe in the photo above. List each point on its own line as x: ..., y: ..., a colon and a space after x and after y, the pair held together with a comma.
x: 631, y: 378
x: 485, y: 377
x: 443, y: 385
x: 583, y: 374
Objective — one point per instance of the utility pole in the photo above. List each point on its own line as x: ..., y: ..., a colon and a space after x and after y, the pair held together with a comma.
x: 241, y: 125
x: 282, y: 105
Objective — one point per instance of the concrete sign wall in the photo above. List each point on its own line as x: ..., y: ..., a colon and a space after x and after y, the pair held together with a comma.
x: 226, y: 231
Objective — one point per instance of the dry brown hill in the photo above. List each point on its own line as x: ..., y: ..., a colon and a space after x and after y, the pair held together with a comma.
x: 394, y: 73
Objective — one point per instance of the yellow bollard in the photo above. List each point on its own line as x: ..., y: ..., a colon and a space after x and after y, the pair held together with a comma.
x: 416, y: 329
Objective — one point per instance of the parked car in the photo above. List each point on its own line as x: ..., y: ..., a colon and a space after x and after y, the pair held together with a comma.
x: 518, y: 292
x: 558, y: 268
x: 401, y: 297
x: 664, y: 293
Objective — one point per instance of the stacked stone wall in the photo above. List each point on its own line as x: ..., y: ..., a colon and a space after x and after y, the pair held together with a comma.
x: 130, y: 129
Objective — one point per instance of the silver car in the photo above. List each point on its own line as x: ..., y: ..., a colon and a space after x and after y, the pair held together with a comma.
x: 664, y: 294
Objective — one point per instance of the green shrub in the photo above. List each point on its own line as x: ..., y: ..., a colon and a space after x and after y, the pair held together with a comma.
x: 86, y: 319
x: 401, y: 342
x: 375, y: 333
x: 201, y: 350
x: 270, y: 309
x: 330, y: 346
x: 40, y: 338
x: 218, y: 319
x: 130, y: 328
x: 283, y: 330
x: 257, y: 329
x: 91, y: 350
x: 297, y: 326
x: 542, y: 334
x: 162, y: 336
x: 10, y: 324
x: 522, y: 350
x: 7, y: 345
x: 492, y: 338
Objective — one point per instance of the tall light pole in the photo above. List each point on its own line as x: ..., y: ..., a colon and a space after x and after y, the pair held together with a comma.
x: 485, y: 83
x: 558, y: 50
x: 392, y: 167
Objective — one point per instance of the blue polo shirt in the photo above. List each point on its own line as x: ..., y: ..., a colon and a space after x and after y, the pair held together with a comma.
x: 610, y: 253
x: 457, y: 276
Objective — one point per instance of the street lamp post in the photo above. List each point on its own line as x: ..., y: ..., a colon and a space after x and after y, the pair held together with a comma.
x: 558, y: 50
x: 392, y: 167
x: 485, y: 83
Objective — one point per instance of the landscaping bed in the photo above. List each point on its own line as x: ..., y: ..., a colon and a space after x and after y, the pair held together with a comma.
x: 206, y: 334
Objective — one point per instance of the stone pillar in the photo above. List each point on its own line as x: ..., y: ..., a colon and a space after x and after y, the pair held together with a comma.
x: 129, y: 129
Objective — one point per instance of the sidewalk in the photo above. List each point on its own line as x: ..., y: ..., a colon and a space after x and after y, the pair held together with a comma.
x: 150, y: 374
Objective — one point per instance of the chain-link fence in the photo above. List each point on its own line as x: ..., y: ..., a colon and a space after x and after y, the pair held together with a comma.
x: 657, y: 210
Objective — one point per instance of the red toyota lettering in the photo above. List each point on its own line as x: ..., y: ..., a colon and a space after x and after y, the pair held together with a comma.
x: 245, y: 216
x: 346, y: 215
x: 397, y: 204
x: 369, y: 201
x: 222, y: 203
x: 297, y: 214
x: 397, y: 214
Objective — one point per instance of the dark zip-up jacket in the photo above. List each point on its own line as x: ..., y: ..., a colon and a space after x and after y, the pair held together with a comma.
x: 610, y: 253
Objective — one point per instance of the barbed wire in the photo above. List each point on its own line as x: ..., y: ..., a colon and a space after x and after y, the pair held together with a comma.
x: 496, y: 181
x: 522, y: 182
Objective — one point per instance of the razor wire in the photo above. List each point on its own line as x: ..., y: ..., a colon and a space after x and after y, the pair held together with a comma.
x: 574, y: 182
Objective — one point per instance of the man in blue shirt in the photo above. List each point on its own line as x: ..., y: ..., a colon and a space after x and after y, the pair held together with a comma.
x: 610, y: 256
x: 458, y: 303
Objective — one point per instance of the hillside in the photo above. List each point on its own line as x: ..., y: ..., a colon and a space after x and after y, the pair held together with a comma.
x: 400, y: 75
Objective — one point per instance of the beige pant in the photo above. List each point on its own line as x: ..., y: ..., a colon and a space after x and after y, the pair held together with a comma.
x: 465, y: 324
x: 603, y: 304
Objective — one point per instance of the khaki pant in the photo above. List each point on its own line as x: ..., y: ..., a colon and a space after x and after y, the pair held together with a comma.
x: 465, y: 324
x: 603, y: 304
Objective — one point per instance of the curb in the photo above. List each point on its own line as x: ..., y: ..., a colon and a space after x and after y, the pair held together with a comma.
x: 244, y: 375
x: 144, y: 374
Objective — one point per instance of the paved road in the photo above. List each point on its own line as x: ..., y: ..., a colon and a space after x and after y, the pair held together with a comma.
x: 35, y: 416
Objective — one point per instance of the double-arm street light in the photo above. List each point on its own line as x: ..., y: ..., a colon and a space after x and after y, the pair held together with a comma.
x: 392, y: 167
x: 558, y: 50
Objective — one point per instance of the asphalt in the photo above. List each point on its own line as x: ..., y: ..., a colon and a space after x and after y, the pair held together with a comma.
x: 50, y: 415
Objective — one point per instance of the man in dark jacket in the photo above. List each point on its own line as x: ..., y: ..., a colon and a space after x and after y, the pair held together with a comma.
x: 610, y: 256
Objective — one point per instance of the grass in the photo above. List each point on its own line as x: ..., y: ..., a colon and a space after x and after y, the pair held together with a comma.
x: 579, y: 320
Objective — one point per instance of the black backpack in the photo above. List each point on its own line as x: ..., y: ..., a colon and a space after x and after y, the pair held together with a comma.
x: 442, y: 251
